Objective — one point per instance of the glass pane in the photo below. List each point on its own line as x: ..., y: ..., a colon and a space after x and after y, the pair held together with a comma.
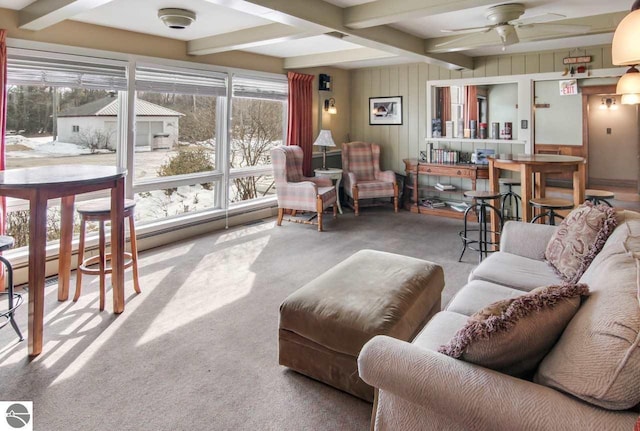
x: 256, y: 127
x: 175, y: 134
x: 159, y: 204
x: 254, y: 187
x: 55, y: 126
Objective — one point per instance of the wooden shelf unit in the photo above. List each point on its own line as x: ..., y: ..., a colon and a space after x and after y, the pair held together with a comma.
x: 458, y: 170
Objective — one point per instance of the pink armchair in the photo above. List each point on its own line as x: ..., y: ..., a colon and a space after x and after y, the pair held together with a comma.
x: 362, y: 177
x: 296, y: 192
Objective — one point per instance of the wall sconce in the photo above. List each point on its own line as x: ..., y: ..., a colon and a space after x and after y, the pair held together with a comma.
x: 625, y: 51
x: 608, y: 103
x: 330, y: 106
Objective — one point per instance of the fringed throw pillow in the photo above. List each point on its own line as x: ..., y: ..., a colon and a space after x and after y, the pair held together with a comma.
x: 513, y: 335
x: 578, y: 239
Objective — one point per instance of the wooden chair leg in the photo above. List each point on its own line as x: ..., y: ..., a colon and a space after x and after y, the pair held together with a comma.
x: 319, y: 208
x: 80, y: 260
x: 356, y: 207
x: 395, y: 197
x: 280, y: 216
x: 293, y: 213
x: 103, y: 264
x: 335, y: 210
x: 134, y: 254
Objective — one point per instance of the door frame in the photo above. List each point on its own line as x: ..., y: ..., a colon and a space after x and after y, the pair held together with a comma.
x: 587, y: 91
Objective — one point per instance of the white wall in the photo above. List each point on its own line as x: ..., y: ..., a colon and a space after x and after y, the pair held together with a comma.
x: 561, y: 122
x: 503, y: 107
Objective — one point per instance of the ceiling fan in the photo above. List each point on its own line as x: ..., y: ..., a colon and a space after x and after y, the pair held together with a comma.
x: 504, y: 20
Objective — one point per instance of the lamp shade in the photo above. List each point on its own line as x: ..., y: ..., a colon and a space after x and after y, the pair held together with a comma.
x: 625, y: 49
x: 629, y: 83
x: 630, y: 99
x: 324, y: 139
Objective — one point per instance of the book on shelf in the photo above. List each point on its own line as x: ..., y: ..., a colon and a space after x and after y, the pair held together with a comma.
x: 432, y: 203
x: 458, y: 206
x: 444, y: 187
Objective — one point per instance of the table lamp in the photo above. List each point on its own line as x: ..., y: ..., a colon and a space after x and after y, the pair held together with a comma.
x: 324, y: 140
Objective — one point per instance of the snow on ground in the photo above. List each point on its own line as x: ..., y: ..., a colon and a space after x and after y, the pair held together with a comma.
x: 43, y: 146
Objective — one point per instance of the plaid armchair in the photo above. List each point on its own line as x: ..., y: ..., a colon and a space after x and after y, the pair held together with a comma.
x: 296, y: 192
x: 362, y: 177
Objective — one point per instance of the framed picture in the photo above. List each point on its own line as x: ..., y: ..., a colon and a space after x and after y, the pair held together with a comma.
x: 385, y: 110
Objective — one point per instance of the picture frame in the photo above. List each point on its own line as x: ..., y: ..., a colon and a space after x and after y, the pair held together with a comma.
x: 385, y: 111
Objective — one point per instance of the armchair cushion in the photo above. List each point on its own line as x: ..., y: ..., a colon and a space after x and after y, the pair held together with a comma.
x: 513, y: 335
x: 360, y: 157
x: 578, y: 240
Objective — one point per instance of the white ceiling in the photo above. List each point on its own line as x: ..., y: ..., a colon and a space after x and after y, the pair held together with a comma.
x: 301, y: 38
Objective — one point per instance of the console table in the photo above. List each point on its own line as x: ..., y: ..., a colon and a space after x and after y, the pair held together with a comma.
x: 458, y: 170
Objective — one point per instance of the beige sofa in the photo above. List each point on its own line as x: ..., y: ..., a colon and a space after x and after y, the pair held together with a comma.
x: 589, y: 381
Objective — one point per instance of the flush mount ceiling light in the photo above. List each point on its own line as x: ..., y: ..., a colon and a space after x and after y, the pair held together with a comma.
x: 176, y: 18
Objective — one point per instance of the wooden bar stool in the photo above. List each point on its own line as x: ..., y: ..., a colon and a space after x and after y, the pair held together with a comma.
x: 550, y: 206
x: 514, y: 199
x: 100, y: 210
x: 15, y: 299
x: 598, y: 196
x: 483, y: 241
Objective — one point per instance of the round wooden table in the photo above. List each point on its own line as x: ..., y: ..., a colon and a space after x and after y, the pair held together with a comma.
x: 38, y: 185
x: 533, y: 169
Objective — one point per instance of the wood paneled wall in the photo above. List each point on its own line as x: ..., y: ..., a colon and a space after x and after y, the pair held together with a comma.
x: 410, y: 82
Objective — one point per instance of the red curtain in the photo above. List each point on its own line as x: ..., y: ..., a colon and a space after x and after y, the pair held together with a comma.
x: 300, y: 125
x: 3, y: 119
x: 471, y: 105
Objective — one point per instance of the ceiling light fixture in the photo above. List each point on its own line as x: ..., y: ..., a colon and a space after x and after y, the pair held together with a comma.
x: 176, y: 18
x: 625, y: 51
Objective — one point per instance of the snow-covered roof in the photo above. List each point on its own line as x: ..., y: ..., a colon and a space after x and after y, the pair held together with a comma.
x: 109, y: 107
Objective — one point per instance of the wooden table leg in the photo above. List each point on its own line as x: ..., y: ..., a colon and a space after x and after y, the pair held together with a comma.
x: 66, y: 238
x: 37, y: 262
x: 579, y: 184
x: 117, y: 245
x: 494, y: 187
x: 525, y: 180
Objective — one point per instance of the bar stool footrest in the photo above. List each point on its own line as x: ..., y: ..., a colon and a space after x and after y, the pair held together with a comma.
x: 95, y: 260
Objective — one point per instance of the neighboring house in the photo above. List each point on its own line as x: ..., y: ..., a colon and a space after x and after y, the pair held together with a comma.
x: 95, y: 124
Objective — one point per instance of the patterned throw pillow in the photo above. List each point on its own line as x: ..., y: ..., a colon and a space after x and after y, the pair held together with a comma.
x: 579, y: 238
x: 513, y: 335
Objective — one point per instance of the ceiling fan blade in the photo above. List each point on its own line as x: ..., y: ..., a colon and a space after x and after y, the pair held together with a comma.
x: 457, y: 39
x: 558, y: 28
x: 537, y: 19
x: 468, y: 30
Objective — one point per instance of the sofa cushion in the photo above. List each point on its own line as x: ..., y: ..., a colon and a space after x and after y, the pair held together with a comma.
x: 439, y: 330
x: 579, y: 238
x: 478, y: 294
x: 515, y: 271
x: 513, y: 335
x: 597, y: 358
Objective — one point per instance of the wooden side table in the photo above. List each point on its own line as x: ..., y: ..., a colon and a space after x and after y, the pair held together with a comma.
x: 334, y: 174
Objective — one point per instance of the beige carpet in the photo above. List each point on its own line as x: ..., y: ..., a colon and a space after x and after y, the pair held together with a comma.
x: 197, y: 350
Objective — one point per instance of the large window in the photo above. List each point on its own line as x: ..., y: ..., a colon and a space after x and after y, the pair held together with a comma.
x: 259, y: 109
x: 177, y: 138
x: 189, y: 141
x: 60, y: 111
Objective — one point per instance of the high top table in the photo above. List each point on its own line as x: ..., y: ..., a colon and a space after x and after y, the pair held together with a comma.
x: 38, y: 185
x: 540, y: 165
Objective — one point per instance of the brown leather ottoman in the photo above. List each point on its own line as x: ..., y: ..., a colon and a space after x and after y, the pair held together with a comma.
x: 324, y: 324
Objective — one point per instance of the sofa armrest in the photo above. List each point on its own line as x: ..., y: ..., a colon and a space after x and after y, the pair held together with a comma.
x: 453, y: 394
x: 526, y: 239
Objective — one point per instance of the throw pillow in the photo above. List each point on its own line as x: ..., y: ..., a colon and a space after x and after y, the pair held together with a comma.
x: 578, y: 239
x: 513, y: 335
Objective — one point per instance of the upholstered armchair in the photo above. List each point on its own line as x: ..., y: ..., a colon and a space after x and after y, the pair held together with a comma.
x: 362, y: 177
x: 296, y: 192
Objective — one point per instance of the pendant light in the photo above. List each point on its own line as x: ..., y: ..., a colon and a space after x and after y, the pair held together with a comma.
x: 625, y: 51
